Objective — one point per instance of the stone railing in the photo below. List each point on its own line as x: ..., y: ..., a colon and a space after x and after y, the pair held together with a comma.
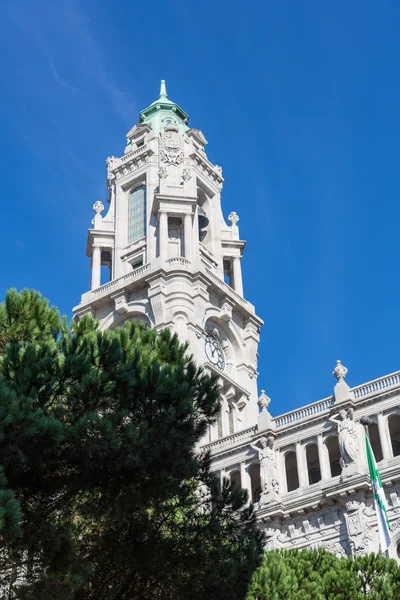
x: 305, y: 412
x: 208, y: 257
x: 231, y: 440
x: 179, y: 260
x: 206, y: 167
x: 230, y: 291
x: 377, y: 386
x: 120, y: 282
x: 131, y: 154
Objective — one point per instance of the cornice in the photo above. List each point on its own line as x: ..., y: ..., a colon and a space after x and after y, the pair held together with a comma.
x: 205, y: 167
x: 120, y: 167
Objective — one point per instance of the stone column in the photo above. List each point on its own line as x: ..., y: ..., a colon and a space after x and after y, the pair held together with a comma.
x: 163, y: 235
x: 188, y: 236
x: 96, y: 267
x: 282, y: 473
x: 213, y: 432
x: 225, y: 417
x: 237, y: 275
x: 301, y: 465
x: 386, y: 450
x: 323, y: 459
x: 222, y: 475
x: 245, y: 481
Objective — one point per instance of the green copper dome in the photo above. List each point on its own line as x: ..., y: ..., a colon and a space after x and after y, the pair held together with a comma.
x: 164, y: 112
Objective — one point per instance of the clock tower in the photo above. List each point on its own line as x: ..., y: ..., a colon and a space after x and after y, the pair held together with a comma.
x: 171, y: 258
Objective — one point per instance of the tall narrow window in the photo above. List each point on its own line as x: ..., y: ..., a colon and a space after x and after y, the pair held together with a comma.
x: 137, y: 214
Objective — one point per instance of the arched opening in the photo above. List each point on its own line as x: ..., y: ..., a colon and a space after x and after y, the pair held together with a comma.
x: 235, y: 478
x: 175, y: 235
x: 292, y: 476
x: 106, y: 266
x: 121, y: 320
x: 375, y: 441
x: 254, y: 472
x: 332, y: 444
x: 394, y: 429
x: 313, y: 468
x: 204, y: 218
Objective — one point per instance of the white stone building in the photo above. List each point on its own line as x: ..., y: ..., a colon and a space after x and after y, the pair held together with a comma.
x: 175, y: 262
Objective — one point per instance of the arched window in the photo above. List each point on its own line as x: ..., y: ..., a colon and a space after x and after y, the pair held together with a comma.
x: 292, y: 476
x: 254, y: 472
x: 394, y: 428
x: 235, y: 478
x: 375, y: 441
x: 332, y: 444
x: 137, y: 214
x: 314, y: 472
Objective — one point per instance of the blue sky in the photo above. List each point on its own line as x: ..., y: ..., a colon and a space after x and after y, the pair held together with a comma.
x: 300, y: 104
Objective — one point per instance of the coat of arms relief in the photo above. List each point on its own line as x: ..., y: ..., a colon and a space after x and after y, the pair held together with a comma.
x: 171, y: 146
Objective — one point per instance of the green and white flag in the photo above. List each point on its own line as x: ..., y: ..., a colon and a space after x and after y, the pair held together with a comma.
x: 379, y: 500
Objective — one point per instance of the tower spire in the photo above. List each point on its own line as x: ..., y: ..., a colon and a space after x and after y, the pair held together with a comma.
x: 163, y: 91
x: 157, y: 111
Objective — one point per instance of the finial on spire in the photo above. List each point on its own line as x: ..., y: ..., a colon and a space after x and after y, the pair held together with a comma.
x: 163, y: 90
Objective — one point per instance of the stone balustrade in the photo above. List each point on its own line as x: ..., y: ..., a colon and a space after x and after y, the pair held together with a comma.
x: 306, y: 411
x: 130, y: 154
x: 230, y: 292
x: 377, y: 385
x: 234, y: 439
x: 118, y: 283
x: 178, y: 260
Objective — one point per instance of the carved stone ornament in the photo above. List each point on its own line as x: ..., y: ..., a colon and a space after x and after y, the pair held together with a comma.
x: 186, y: 174
x: 354, y: 524
x: 110, y: 163
x: 395, y: 526
x: 233, y: 218
x: 334, y: 548
x: 353, y: 505
x: 162, y: 172
x: 98, y: 207
x: 263, y: 401
x: 171, y: 146
x: 340, y: 371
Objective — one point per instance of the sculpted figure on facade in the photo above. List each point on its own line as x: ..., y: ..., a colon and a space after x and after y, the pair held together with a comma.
x: 348, y: 444
x: 268, y: 465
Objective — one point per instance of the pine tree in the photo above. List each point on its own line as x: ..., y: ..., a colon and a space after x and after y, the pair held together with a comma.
x: 98, y: 435
x: 320, y: 575
x: 26, y: 317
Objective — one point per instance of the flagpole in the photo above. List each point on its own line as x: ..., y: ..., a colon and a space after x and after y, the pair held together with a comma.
x: 379, y: 494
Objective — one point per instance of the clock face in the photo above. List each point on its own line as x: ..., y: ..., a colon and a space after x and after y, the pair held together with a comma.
x: 214, y: 352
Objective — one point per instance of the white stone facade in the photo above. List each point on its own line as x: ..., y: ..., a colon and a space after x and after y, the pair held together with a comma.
x: 175, y: 262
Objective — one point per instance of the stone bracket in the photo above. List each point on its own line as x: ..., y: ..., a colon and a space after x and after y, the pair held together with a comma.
x: 121, y: 303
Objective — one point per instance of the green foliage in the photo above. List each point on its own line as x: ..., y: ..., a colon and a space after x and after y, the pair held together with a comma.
x: 319, y: 575
x: 102, y: 494
x: 26, y: 317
